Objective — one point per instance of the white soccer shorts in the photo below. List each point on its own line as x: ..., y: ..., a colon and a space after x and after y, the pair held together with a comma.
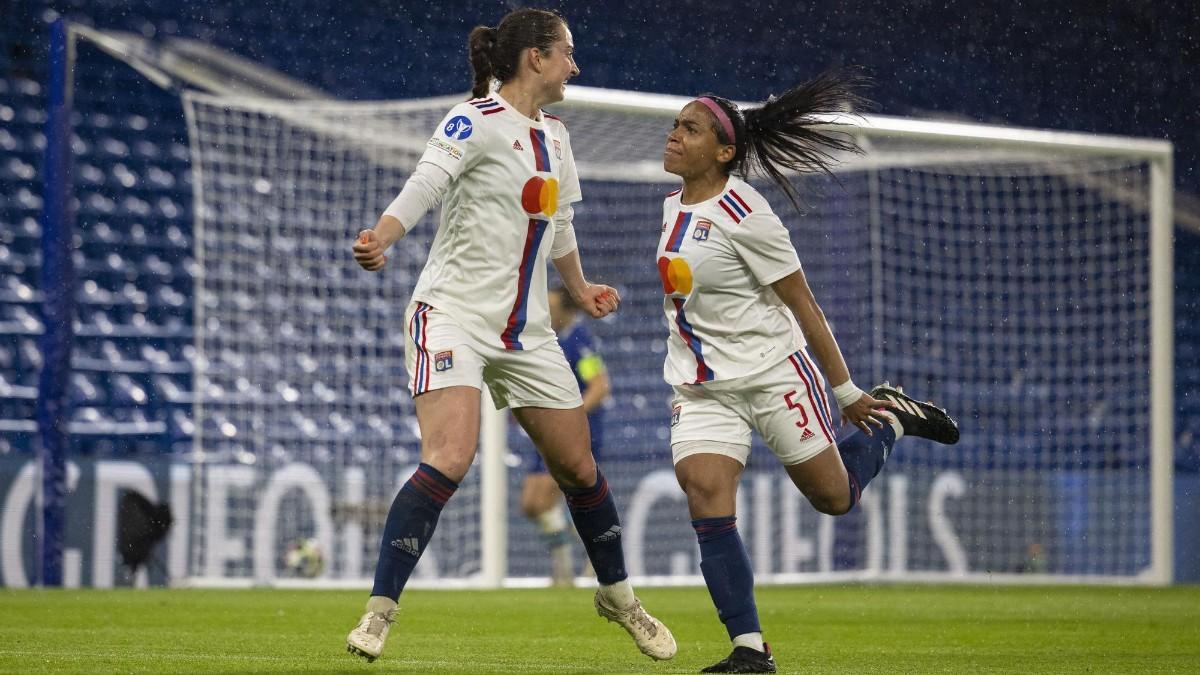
x: 438, y: 353
x: 786, y: 404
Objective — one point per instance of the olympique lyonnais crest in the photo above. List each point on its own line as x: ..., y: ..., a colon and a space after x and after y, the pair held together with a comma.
x: 557, y: 149
x: 675, y: 414
x: 443, y: 360
x: 700, y: 231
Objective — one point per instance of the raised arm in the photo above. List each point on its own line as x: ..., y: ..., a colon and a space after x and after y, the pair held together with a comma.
x: 857, y: 406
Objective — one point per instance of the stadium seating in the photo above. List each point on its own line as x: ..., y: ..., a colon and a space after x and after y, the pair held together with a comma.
x: 132, y: 384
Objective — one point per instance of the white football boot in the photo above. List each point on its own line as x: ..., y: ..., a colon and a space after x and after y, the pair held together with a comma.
x: 651, y: 636
x: 367, y: 638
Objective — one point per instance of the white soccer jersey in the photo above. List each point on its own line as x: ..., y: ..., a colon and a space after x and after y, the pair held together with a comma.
x: 508, y: 176
x: 717, y: 260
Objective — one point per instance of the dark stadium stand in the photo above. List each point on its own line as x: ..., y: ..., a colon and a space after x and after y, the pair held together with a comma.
x: 132, y: 358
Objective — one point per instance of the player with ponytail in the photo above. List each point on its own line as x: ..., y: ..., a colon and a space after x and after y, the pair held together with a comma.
x: 504, y: 173
x: 742, y: 320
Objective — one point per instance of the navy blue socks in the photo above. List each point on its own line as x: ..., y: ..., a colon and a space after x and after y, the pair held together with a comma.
x: 727, y: 573
x: 595, y: 515
x: 864, y: 456
x: 409, y: 527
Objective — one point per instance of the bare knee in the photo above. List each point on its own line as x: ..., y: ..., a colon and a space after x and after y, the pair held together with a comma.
x: 576, y: 472
x: 833, y: 504
x: 452, y: 462
x: 710, y: 483
x: 823, y: 481
x: 702, y: 494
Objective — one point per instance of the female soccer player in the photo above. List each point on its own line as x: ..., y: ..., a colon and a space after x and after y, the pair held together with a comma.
x: 505, y: 176
x: 741, y: 315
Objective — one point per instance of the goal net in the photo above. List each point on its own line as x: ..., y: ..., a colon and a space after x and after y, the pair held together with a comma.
x: 1019, y: 279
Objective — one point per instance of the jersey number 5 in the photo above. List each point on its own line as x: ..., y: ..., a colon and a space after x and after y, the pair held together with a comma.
x: 793, y: 404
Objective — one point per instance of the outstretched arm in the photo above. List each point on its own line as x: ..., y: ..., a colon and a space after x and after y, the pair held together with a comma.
x: 857, y: 406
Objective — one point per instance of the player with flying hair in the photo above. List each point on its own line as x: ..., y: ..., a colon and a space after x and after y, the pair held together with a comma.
x: 742, y: 320
x: 505, y: 176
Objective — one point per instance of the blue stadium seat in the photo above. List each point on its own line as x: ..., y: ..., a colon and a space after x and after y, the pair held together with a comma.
x: 145, y: 149
x: 172, y: 390
x: 180, y: 426
x: 128, y: 136
x: 17, y: 169
x: 27, y: 358
x: 10, y: 142
x: 113, y: 147
x: 86, y: 390
x: 125, y: 391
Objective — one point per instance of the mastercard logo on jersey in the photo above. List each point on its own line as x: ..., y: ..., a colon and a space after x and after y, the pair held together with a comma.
x: 540, y: 196
x: 676, y: 275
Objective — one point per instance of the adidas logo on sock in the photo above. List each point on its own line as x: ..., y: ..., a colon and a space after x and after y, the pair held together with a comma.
x: 409, y: 545
x: 609, y: 534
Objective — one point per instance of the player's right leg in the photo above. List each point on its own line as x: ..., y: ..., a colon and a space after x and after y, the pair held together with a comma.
x: 541, y: 502
x: 449, y: 421
x: 446, y: 376
x: 710, y: 443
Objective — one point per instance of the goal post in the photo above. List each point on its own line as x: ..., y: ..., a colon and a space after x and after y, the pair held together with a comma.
x: 1021, y: 278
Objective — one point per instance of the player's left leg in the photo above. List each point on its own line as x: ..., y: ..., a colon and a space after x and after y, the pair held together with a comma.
x: 793, y: 417
x: 541, y: 502
x: 541, y: 389
x: 562, y: 437
x: 789, y: 408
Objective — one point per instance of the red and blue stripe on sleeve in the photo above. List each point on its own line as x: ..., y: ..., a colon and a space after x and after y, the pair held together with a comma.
x: 487, y: 106
x: 735, y: 206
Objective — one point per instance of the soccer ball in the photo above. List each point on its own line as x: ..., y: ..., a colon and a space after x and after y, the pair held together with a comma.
x: 304, y: 558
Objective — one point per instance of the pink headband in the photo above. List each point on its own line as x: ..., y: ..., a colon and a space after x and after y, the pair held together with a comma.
x: 719, y: 113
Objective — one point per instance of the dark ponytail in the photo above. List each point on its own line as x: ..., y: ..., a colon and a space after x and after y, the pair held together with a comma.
x: 782, y: 134
x: 481, y: 44
x: 495, y: 53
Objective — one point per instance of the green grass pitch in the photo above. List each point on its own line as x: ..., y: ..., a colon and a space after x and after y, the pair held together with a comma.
x: 813, y: 629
